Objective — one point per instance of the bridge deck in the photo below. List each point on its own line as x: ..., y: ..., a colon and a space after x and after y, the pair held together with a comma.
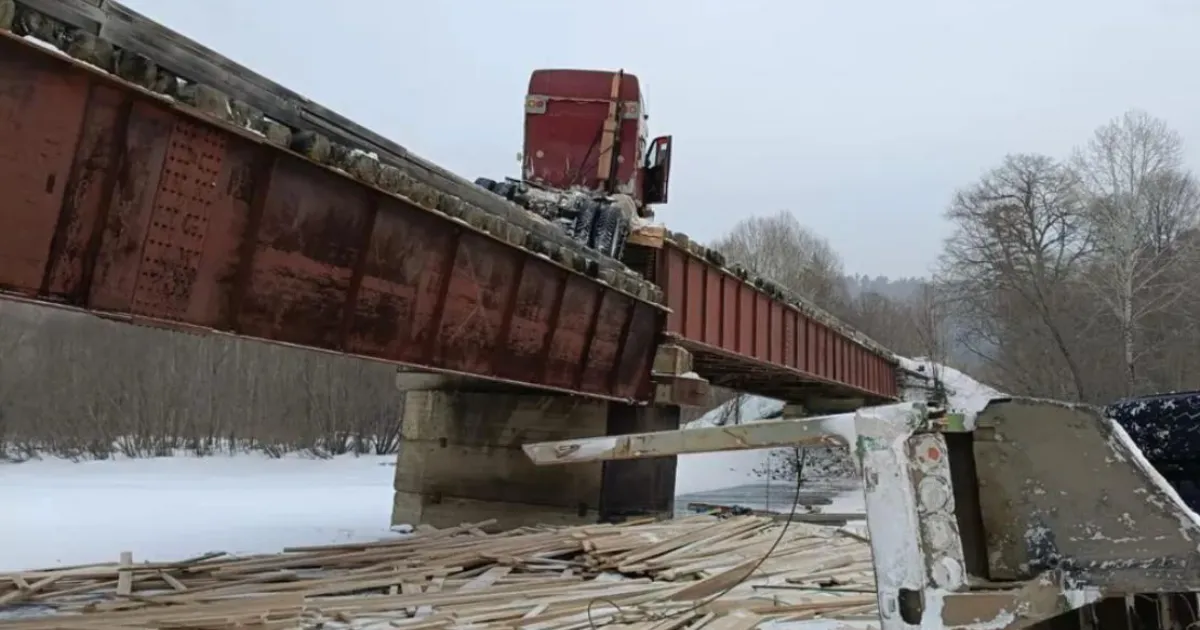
x: 743, y: 338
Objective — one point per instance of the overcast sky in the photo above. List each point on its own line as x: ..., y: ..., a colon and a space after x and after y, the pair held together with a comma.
x: 861, y: 117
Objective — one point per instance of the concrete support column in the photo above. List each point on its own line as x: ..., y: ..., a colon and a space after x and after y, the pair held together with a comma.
x: 639, y: 487
x: 461, y: 461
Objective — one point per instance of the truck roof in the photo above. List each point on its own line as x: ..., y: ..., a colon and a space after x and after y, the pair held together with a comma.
x: 584, y: 84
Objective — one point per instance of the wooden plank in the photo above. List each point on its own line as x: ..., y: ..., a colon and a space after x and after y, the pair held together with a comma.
x: 609, y: 133
x: 837, y: 430
x: 547, y: 578
x: 680, y: 390
x: 125, y: 575
x: 653, y: 236
x: 33, y: 589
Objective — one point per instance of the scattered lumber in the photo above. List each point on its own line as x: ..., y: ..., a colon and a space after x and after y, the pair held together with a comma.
x: 700, y: 571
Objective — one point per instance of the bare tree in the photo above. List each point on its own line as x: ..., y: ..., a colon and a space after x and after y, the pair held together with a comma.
x: 780, y: 248
x: 928, y: 312
x: 1018, y: 241
x: 888, y: 321
x: 1138, y: 200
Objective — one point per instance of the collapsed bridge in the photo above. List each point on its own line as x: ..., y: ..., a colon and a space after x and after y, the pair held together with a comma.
x: 150, y: 180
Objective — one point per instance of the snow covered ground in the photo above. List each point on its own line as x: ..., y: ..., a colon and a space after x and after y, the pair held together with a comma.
x: 58, y: 512
x: 965, y: 395
x: 61, y: 513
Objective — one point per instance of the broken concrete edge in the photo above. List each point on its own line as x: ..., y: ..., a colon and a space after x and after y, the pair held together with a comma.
x: 519, y: 229
x: 1123, y: 448
x: 1106, y: 517
x: 780, y: 293
x: 1014, y: 606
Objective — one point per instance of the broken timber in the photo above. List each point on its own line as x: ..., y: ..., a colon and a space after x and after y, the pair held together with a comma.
x: 633, y: 574
x: 837, y: 430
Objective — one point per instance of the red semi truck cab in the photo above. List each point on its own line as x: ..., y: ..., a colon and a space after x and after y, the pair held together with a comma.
x: 587, y: 129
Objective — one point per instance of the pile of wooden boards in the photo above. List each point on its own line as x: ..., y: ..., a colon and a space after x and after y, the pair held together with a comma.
x: 701, y: 571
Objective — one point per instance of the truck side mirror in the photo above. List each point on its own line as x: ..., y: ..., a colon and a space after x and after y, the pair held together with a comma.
x: 657, y: 171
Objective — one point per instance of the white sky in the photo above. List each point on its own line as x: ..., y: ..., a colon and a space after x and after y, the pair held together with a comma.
x: 861, y: 117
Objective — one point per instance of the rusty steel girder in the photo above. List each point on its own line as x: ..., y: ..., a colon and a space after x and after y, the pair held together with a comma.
x: 123, y: 203
x: 742, y: 337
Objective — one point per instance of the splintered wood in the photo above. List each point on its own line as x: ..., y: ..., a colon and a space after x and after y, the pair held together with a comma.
x: 701, y: 571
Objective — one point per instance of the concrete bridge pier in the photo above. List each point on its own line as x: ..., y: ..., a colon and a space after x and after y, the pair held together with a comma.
x: 460, y: 460
x: 633, y: 488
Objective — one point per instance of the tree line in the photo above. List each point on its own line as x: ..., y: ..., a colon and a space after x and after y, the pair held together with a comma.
x: 78, y: 386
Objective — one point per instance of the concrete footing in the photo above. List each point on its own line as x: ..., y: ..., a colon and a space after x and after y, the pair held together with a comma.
x: 460, y: 461
x: 638, y: 487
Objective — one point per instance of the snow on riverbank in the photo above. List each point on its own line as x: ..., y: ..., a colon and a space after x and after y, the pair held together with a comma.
x: 60, y: 512
x: 707, y: 472
x: 964, y: 394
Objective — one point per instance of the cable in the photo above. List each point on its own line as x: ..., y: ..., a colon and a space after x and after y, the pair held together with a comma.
x: 704, y: 602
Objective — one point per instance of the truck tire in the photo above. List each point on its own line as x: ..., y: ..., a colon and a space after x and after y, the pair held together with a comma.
x: 585, y: 220
x: 1166, y: 428
x: 610, y: 232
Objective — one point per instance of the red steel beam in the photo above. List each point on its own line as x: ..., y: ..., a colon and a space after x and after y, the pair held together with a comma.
x: 123, y: 203
x: 769, y: 346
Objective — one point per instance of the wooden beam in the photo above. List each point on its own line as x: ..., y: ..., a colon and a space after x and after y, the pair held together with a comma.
x: 653, y: 236
x: 609, y: 131
x: 820, y: 431
x: 683, y: 391
x: 674, y: 359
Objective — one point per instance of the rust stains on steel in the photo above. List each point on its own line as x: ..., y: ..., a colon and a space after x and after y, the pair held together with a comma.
x: 122, y: 203
x: 745, y: 337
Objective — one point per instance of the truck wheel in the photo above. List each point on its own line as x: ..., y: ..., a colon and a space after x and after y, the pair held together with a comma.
x: 624, y: 228
x: 610, y: 232
x: 585, y: 221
